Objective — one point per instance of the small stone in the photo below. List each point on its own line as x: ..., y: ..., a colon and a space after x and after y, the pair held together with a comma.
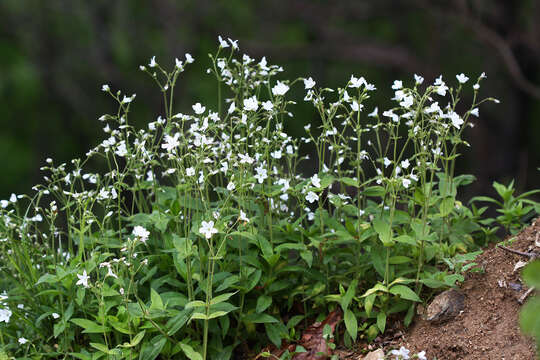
x: 445, y: 306
x: 374, y: 355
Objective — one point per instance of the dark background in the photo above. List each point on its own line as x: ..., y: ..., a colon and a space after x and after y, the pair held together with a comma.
x: 56, y: 54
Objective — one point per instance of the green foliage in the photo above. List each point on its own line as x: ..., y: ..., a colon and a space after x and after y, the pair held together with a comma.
x: 202, y: 235
x: 529, y: 316
x: 514, y: 210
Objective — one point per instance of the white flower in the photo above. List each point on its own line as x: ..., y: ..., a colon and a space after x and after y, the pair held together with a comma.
x: 110, y: 273
x: 141, y: 233
x: 356, y: 83
x: 121, y: 150
x: 405, y: 163
x: 245, y: 159
x: 262, y: 174
x: 178, y: 63
x: 171, y: 142
x: 355, y: 106
x: 418, y: 79
x: 387, y: 162
x: 234, y: 43
x: 231, y: 186
x: 190, y: 171
x: 434, y: 107
x: 407, y: 101
x: 222, y: 43
x: 4, y: 203
x: 13, y: 198
x: 422, y: 355
x: 398, y: 84
x: 476, y: 86
x: 105, y: 88
x: 456, y: 119
x: 231, y: 108
x: 374, y: 113
x: 83, y: 279
x: 475, y: 112
x: 243, y: 216
x: 280, y: 89
x: 309, y: 83
x: 267, y: 105
x: 289, y: 149
x: 251, y: 104
x: 22, y: 341
x: 152, y: 62
x: 406, y: 182
x: 311, y: 197
x: 316, y: 181
x: 403, y: 352
x: 207, y: 229
x: 55, y: 315
x: 198, y: 108
x: 390, y: 114
x: 189, y: 58
x: 276, y: 154
x: 440, y: 85
x: 127, y: 100
x: 462, y: 78
x: 5, y: 314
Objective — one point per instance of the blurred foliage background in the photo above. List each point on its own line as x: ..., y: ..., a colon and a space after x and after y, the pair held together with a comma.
x: 56, y: 54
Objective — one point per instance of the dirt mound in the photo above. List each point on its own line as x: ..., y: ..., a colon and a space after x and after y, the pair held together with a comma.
x: 488, y: 326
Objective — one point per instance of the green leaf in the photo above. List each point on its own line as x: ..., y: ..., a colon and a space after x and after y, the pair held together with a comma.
x: 100, y: 347
x: 157, y: 303
x: 259, y: 318
x: 368, y: 303
x: 433, y: 283
x: 399, y: 259
x: 347, y: 298
x: 384, y: 230
x: 199, y: 316
x: 263, y: 302
x: 404, y: 292
x: 276, y: 332
x: 178, y: 321
x: 216, y: 314
x: 349, y: 181
x: 307, y: 256
x: 351, y: 323
x: 190, y: 353
x: 529, y: 319
x: 381, y: 321
x: 374, y: 191
x: 195, y: 304
x: 447, y: 204
x: 374, y: 289
x: 531, y: 274
x: 135, y: 341
x: 410, y: 315
x: 406, y: 239
x: 59, y: 328
x: 89, y: 326
x: 151, y: 349
x: 47, y: 278
x: 222, y: 298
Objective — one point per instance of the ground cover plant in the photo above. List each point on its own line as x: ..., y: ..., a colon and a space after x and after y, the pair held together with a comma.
x: 203, y: 235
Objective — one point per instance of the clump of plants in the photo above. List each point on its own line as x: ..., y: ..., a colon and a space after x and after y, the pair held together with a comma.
x: 202, y: 234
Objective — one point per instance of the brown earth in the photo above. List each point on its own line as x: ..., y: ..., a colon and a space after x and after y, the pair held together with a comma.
x: 488, y: 326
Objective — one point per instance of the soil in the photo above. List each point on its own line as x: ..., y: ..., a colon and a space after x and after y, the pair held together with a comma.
x: 488, y: 326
